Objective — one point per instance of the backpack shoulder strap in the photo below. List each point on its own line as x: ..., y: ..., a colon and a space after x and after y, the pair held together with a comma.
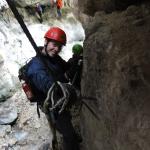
x: 49, y: 70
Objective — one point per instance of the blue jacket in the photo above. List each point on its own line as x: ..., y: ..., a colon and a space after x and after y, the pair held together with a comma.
x: 43, y: 79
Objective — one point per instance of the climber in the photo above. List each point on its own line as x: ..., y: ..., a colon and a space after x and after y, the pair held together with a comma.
x: 59, y: 5
x: 39, y: 11
x: 52, y: 3
x: 76, y: 64
x: 44, y: 76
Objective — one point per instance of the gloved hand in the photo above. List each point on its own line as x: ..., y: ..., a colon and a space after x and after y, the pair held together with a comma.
x: 75, y: 67
x: 71, y: 72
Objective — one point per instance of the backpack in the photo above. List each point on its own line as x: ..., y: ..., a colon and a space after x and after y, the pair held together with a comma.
x: 27, y: 86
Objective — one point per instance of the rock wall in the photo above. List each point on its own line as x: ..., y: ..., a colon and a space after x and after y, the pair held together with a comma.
x: 116, y: 74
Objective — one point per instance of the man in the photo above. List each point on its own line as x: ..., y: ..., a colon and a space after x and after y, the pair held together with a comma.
x: 59, y: 5
x: 55, y: 39
x: 39, y: 11
x: 75, y: 63
x: 52, y: 3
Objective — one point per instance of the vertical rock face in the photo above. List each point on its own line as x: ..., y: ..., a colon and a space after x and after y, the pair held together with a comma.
x: 116, y: 76
x: 24, y: 3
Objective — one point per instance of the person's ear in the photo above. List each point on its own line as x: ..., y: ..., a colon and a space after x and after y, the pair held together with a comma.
x: 45, y: 42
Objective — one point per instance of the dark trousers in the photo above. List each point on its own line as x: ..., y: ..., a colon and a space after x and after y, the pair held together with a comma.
x: 64, y: 126
x: 58, y: 12
x: 40, y: 16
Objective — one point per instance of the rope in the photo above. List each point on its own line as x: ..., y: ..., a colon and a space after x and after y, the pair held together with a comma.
x: 46, y: 102
x: 65, y: 97
x: 63, y: 101
x: 91, y: 110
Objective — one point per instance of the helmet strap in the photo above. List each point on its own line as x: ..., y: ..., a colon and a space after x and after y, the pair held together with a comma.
x: 45, y: 47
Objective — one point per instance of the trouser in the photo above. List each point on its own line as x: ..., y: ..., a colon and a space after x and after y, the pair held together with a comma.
x: 40, y: 16
x: 64, y: 126
x: 59, y: 12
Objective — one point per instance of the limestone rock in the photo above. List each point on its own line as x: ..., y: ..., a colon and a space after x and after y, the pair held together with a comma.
x: 116, y: 74
x: 4, y: 129
x: 8, y: 114
x: 22, y: 3
x: 6, y: 84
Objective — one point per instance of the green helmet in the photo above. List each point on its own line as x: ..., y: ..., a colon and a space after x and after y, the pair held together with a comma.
x: 77, y: 49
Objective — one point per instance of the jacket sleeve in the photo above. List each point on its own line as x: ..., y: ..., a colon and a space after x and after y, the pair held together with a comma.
x: 38, y: 75
x: 73, y: 68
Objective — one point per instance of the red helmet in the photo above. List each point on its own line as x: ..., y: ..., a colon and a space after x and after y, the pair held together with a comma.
x: 56, y: 34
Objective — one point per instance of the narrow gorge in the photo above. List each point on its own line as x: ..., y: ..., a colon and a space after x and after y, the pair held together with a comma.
x: 115, y: 113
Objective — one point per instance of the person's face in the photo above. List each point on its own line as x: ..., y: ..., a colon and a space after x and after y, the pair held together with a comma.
x: 53, y: 48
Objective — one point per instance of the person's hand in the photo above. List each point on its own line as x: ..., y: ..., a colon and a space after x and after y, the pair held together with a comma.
x: 80, y: 62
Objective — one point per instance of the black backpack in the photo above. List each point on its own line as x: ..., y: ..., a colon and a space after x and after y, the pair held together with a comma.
x: 27, y: 85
